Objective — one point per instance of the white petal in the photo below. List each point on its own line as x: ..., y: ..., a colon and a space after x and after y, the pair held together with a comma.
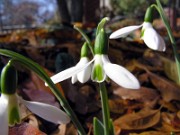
x: 147, y: 25
x: 47, y: 112
x: 84, y: 75
x: 123, y: 32
x: 69, y: 72
x: 153, y: 40
x: 4, y: 115
x: 74, y: 79
x: 120, y: 75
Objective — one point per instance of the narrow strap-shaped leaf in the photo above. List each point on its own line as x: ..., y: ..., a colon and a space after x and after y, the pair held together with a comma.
x: 85, y: 37
x: 111, y: 127
x: 18, y: 58
x: 163, y: 17
x: 98, y: 127
x: 172, y: 39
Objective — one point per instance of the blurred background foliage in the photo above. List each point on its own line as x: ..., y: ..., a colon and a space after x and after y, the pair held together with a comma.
x: 132, y: 8
x: 28, y: 14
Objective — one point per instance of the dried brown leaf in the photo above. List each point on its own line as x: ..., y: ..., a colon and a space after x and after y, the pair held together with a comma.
x: 40, y: 84
x: 169, y: 90
x: 135, y: 65
x: 168, y: 65
x: 151, y: 133
x: 141, y: 120
x: 116, y: 106
x: 168, y: 105
x: 167, y: 123
x: 145, y: 95
x: 61, y: 130
x: 153, y: 58
x: 25, y: 129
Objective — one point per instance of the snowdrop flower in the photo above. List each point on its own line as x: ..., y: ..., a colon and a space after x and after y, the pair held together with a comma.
x: 80, y: 72
x: 9, y: 104
x: 84, y: 75
x: 151, y: 38
x: 102, y: 67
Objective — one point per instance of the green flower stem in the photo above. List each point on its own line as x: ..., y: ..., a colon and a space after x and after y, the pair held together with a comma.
x: 86, y: 38
x: 170, y: 34
x: 105, y: 108
x: 17, y: 58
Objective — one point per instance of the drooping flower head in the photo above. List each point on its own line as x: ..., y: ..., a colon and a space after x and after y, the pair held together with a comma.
x: 103, y: 68
x: 84, y: 75
x: 80, y: 72
x: 9, y: 103
x: 8, y: 98
x: 151, y: 38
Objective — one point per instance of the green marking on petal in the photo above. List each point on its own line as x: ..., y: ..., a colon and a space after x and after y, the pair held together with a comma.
x: 142, y: 32
x: 98, y: 73
x: 14, y: 116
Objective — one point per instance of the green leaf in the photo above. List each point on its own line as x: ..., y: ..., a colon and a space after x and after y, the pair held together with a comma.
x: 172, y: 39
x: 86, y: 38
x: 20, y: 59
x: 162, y: 14
x: 170, y: 69
x: 98, y: 127
x: 111, y: 127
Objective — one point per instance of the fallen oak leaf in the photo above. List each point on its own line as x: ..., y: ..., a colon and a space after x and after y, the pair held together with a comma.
x: 151, y: 133
x: 25, y: 129
x: 40, y: 84
x: 169, y: 90
x: 143, y: 119
x: 116, y: 106
x: 168, y: 105
x: 167, y: 123
x: 65, y: 129
x: 153, y: 58
x: 145, y: 95
x: 117, y: 130
x: 61, y: 130
x: 135, y: 65
x: 168, y: 65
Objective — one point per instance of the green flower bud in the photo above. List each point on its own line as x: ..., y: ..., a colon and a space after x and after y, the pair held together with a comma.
x: 84, y: 50
x: 101, y: 43
x: 8, y: 79
x: 149, y: 15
